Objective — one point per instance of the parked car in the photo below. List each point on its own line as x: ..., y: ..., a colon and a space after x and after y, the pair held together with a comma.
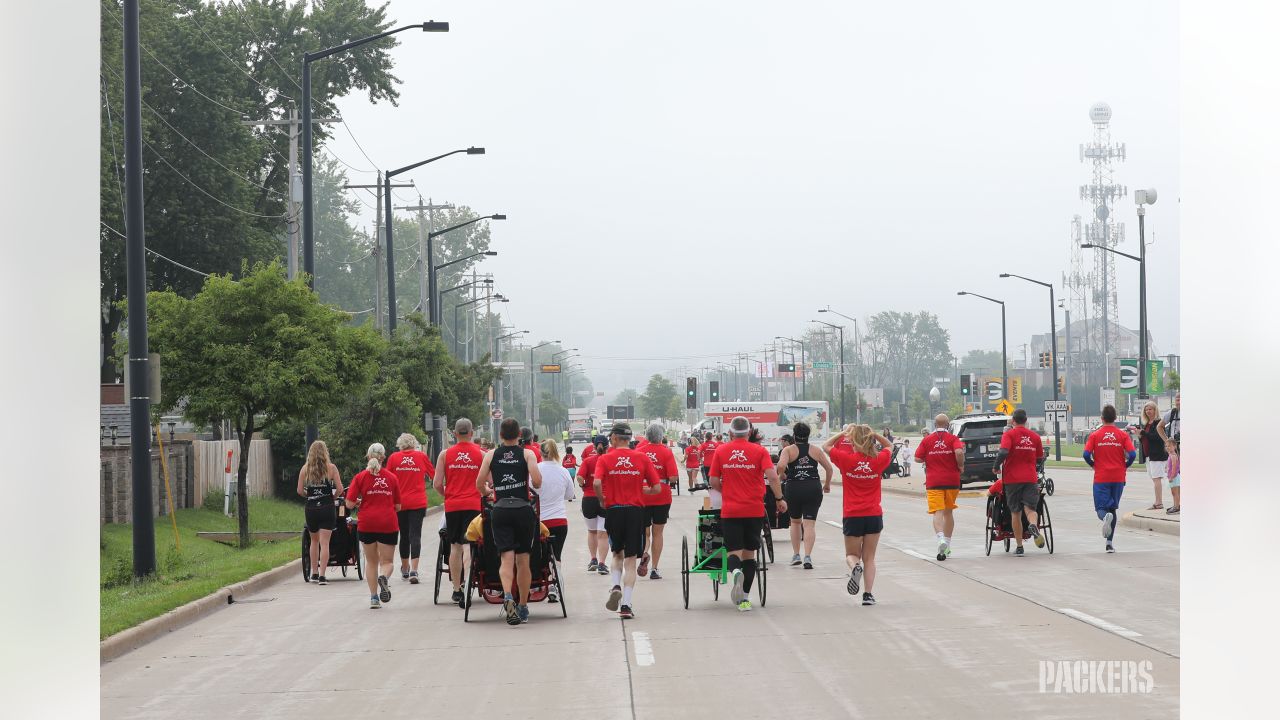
x: 981, y: 433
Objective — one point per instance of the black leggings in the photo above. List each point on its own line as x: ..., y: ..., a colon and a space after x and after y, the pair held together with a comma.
x: 411, y: 532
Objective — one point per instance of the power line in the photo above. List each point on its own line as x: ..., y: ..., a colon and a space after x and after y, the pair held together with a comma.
x: 246, y: 73
x: 245, y: 11
x: 208, y: 194
x: 115, y: 153
x: 357, y: 142
x: 122, y: 236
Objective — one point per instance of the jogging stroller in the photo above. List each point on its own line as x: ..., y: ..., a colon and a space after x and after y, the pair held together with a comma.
x: 894, y: 467
x: 483, y: 578
x: 1000, y: 522
x: 344, y: 547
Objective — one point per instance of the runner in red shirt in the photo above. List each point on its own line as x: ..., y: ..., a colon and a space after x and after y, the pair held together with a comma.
x: 375, y: 494
x: 860, y: 471
x: 707, y: 451
x: 570, y: 462
x: 1020, y: 454
x: 530, y: 442
x: 737, y: 470
x: 455, y: 478
x: 692, y: 461
x: 1109, y: 451
x: 623, y: 477
x: 657, y: 507
x: 943, y: 457
x: 412, y: 467
x: 592, y: 510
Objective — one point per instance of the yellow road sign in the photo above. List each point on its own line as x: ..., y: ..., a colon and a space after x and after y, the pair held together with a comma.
x: 1004, y: 407
x: 1015, y: 390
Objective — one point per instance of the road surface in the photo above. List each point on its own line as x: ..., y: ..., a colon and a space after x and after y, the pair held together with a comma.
x: 962, y: 638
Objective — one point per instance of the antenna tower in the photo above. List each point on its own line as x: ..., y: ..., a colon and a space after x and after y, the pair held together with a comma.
x: 1102, y: 193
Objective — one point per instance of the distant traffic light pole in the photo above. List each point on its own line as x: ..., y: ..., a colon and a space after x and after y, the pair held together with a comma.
x: 804, y: 390
x: 1004, y: 344
x: 1053, y: 356
x: 857, y: 341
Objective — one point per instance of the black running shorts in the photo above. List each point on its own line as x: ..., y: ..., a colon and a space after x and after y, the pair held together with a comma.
x: 591, y: 507
x: 804, y: 498
x: 321, y: 517
x: 859, y: 526
x: 625, y: 526
x: 455, y: 525
x: 656, y: 514
x: 368, y: 538
x: 513, y: 528
x: 742, y: 533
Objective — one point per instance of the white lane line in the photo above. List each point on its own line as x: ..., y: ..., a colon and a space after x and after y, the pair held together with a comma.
x: 834, y: 524
x: 1100, y: 623
x: 644, y: 650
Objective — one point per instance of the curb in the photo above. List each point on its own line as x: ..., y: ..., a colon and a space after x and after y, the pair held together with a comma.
x: 127, y: 640
x: 1139, y: 522
x: 145, y: 632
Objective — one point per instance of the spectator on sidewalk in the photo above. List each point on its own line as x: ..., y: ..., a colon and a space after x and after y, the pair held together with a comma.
x: 1153, y: 451
x: 1170, y: 429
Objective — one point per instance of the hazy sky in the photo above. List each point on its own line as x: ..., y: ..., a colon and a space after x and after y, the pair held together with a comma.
x: 690, y: 179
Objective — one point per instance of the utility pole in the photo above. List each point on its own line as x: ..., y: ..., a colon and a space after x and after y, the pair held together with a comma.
x: 1067, y: 375
x: 425, y: 262
x: 295, y: 178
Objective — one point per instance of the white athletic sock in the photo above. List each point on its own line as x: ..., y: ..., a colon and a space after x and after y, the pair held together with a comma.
x: 946, y: 540
x: 616, y: 574
x: 626, y: 595
x: 941, y: 538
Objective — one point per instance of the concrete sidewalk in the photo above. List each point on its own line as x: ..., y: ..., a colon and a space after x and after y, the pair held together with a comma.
x: 1153, y: 520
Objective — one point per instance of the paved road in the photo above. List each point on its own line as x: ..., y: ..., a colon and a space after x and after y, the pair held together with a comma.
x: 957, y: 639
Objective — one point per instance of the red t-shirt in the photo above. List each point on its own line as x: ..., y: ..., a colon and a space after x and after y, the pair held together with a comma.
x: 664, y: 461
x: 570, y: 461
x: 412, y: 468
x: 1025, y: 449
x: 691, y: 456
x: 707, y: 451
x: 1109, y: 445
x: 861, y: 477
x: 938, y: 453
x: 537, y: 453
x: 378, y: 495
x: 461, y: 466
x: 587, y: 476
x: 588, y: 452
x: 741, y: 465
x: 621, y: 472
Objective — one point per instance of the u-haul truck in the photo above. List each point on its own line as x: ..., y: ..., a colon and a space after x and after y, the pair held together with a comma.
x: 774, y: 419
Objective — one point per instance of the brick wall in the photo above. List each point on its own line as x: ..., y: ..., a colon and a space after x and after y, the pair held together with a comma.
x: 115, y: 481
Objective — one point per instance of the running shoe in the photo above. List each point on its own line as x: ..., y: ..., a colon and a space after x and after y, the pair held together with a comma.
x: 1111, y: 548
x: 1019, y: 551
x: 602, y: 569
x: 591, y: 566
x: 943, y: 551
x: 551, y: 596
x: 1035, y: 534
x: 374, y: 603
x: 1108, y: 523
x: 868, y: 599
x: 385, y: 594
x: 744, y: 606
x: 795, y: 559
x: 625, y: 612
x: 404, y: 574
x: 413, y: 577
x: 314, y: 578
x: 644, y: 565
x: 457, y: 597
x: 855, y: 579
x: 737, y: 594
x: 322, y: 581
x: 523, y: 612
x: 654, y: 575
x: 808, y: 563
x: 615, y: 597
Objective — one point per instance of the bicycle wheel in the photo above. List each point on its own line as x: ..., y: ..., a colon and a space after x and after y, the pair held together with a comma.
x: 1046, y: 526
x: 555, y: 568
x: 762, y: 582
x: 767, y: 544
x: 991, y: 529
x: 715, y: 589
x: 1048, y: 485
x: 440, y: 556
x: 306, y: 556
x: 684, y: 569
x: 468, y: 580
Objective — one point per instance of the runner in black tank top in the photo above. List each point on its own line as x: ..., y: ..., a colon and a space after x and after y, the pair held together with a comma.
x: 511, y: 470
x: 804, y: 492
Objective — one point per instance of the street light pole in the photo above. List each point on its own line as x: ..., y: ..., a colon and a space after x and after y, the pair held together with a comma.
x: 1004, y: 345
x: 533, y: 406
x: 841, y: 329
x: 434, y: 316
x: 1053, y: 356
x: 804, y: 391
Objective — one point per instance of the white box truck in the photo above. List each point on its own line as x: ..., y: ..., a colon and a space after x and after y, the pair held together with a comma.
x: 774, y: 419
x: 579, y: 425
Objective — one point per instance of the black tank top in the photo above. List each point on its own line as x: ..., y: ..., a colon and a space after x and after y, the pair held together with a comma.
x: 804, y: 468
x: 319, y: 495
x: 510, y: 474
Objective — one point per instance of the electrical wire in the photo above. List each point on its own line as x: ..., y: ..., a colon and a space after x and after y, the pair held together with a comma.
x: 115, y: 152
x: 245, y: 11
x: 246, y: 73
x: 153, y: 252
x: 357, y: 142
x: 206, y: 193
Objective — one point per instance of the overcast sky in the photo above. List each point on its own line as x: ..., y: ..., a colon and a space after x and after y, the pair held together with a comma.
x: 697, y: 178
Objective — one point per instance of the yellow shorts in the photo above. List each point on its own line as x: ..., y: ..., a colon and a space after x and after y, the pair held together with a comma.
x: 942, y: 499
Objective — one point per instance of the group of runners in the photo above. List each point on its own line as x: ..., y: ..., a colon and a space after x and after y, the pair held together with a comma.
x: 626, y: 486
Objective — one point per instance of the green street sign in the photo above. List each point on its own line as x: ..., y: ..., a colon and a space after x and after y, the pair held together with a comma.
x: 823, y: 365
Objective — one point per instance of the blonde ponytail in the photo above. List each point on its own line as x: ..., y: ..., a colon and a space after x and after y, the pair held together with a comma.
x: 376, y: 454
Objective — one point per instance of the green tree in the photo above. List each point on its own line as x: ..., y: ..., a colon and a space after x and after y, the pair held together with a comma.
x: 216, y: 188
x: 675, y: 408
x: 628, y: 396
x: 988, y: 360
x: 552, y: 413
x: 258, y: 352
x: 905, y: 349
x: 656, y: 401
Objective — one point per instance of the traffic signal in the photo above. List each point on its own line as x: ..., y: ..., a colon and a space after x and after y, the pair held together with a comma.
x: 965, y: 384
x: 691, y: 393
x: 1062, y: 385
x: 713, y: 391
x: 1046, y: 360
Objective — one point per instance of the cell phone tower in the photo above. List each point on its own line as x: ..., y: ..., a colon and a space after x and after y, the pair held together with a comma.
x: 1077, y: 287
x: 1102, y: 193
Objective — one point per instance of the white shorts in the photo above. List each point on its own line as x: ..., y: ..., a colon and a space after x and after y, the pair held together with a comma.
x: 1158, y: 469
x: 595, y: 523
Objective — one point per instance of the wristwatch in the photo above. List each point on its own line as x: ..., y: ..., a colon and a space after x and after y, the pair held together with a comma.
x: 779, y: 499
